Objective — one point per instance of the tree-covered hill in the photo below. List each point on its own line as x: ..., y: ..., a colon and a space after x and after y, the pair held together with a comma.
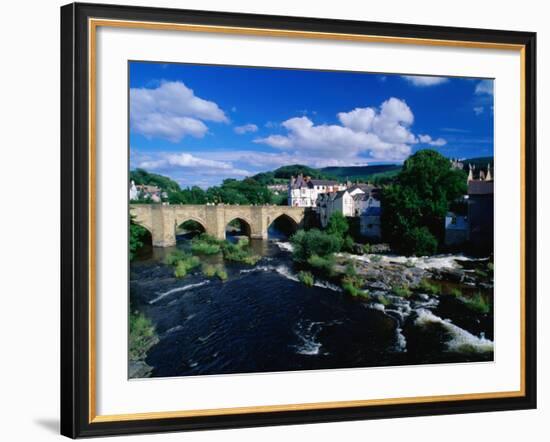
x: 140, y: 176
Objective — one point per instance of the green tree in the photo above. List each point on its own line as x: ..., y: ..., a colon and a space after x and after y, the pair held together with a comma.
x: 137, y: 234
x: 337, y: 225
x: 314, y: 242
x: 415, y: 206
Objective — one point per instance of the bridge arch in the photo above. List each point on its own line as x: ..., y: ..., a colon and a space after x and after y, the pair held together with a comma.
x: 244, y: 225
x: 281, y: 224
x: 198, y: 222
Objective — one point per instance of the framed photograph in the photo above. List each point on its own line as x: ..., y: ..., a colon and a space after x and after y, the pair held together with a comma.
x: 274, y: 220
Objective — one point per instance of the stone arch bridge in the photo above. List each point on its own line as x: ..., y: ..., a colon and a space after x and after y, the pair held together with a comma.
x: 162, y: 220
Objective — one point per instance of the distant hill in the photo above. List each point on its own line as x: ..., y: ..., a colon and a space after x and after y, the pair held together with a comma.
x: 363, y: 173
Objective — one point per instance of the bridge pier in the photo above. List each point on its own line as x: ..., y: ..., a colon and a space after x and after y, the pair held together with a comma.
x: 162, y: 220
x: 164, y: 227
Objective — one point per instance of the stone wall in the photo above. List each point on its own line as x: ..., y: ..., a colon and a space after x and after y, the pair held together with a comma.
x: 162, y: 220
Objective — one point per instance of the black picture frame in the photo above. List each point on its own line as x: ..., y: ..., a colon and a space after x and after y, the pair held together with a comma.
x: 75, y: 221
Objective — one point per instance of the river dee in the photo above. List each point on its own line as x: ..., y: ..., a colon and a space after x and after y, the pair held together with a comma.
x: 262, y: 319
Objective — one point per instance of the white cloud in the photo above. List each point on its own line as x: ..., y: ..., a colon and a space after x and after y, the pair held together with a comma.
x: 381, y: 134
x: 424, y: 81
x: 484, y: 87
x: 246, y: 128
x: 426, y: 139
x: 478, y: 110
x: 172, y: 162
x: 171, y: 111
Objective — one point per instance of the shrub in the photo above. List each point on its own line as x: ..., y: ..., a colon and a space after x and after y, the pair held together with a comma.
x: 352, y: 285
x: 184, y: 265
x: 383, y: 300
x: 234, y: 252
x: 142, y: 336
x: 208, y: 270
x: 323, y: 265
x: 173, y: 257
x: 419, y: 241
x: 366, y: 248
x: 337, y: 225
x: 314, y: 242
x: 306, y: 278
x: 204, y: 248
x: 481, y: 273
x: 402, y: 291
x: 456, y: 292
x: 221, y: 273
x: 428, y: 287
x: 477, y: 303
x: 376, y: 258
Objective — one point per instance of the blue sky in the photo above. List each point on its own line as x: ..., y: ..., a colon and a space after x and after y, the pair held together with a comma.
x: 201, y: 124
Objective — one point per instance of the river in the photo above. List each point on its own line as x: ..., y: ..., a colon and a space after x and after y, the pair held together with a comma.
x: 261, y: 319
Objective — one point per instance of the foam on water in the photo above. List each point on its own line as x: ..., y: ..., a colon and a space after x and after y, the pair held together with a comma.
x: 307, y: 331
x: 422, y: 262
x: 461, y: 340
x: 285, y: 246
x: 178, y: 289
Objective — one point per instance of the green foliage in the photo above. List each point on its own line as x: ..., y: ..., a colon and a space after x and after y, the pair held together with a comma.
x: 375, y: 258
x: 383, y: 300
x: 208, y: 270
x: 296, y: 169
x: 313, y: 242
x: 217, y: 271
x: 402, y: 291
x: 205, y: 245
x: 173, y: 257
x: 481, y: 273
x: 140, y: 176
x: 418, y: 241
x: 478, y: 303
x: 352, y: 286
x: 456, y: 292
x: 247, y: 191
x: 415, y: 206
x: 367, y: 248
x: 337, y: 225
x: 190, y: 195
x: 306, y: 278
x: 491, y: 267
x: 184, y: 265
x: 363, y: 173
x: 427, y: 287
x: 142, y: 336
x: 137, y: 234
x: 322, y: 264
x: 239, y: 253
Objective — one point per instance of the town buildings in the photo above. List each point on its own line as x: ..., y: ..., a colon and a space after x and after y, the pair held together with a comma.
x: 356, y: 201
x: 303, y: 190
x: 144, y: 191
x: 475, y: 225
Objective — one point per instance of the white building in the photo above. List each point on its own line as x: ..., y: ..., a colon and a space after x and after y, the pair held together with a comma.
x: 134, y: 195
x: 303, y: 191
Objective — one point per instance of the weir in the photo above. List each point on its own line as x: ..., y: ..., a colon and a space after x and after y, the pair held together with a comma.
x: 162, y: 220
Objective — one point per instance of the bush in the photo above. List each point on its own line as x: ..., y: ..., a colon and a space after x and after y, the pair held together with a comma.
x: 314, y: 242
x: 306, y: 278
x: 456, y: 292
x: 208, y: 270
x: 324, y: 265
x: 137, y: 234
x: 184, y: 265
x: 204, y: 248
x: 337, y: 225
x: 477, y: 303
x: 428, y: 287
x: 173, y: 257
x: 234, y: 252
x: 418, y: 241
x: 352, y: 286
x: 142, y: 336
x: 221, y: 273
x: 402, y: 291
x: 366, y: 248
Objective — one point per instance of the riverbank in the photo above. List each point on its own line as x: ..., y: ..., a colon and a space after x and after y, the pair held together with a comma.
x: 211, y: 326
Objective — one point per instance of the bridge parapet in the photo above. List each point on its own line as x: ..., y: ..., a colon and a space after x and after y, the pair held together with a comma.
x: 163, y: 220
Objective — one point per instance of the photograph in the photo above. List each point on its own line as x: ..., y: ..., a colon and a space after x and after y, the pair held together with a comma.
x: 290, y: 219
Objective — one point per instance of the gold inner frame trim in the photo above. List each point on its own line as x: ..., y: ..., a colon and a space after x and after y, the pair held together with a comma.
x: 93, y: 24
